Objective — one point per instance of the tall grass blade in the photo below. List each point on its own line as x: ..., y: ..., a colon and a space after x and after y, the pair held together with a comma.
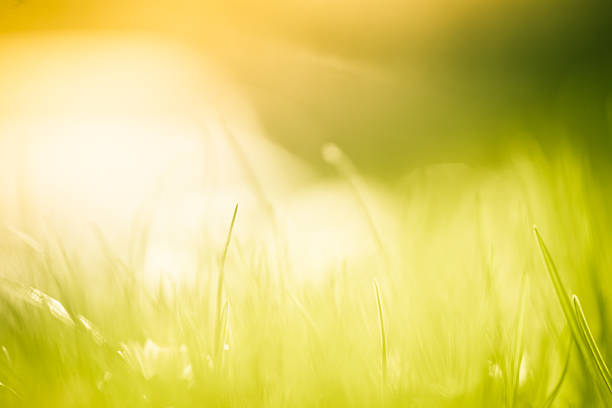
x: 222, y: 337
x: 555, y: 391
x: 590, y: 341
x: 383, y: 336
x: 577, y: 322
x: 218, y: 322
x: 562, y: 295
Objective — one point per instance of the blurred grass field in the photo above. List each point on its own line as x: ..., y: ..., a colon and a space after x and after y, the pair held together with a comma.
x: 470, y: 315
x: 305, y: 204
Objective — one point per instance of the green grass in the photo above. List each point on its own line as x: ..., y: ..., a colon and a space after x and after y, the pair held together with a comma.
x: 463, y: 313
x: 383, y: 337
x: 577, y: 322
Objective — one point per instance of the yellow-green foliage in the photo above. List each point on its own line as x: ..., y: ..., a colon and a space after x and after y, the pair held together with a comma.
x: 463, y: 312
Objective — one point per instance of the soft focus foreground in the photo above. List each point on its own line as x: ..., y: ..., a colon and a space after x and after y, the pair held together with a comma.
x: 469, y: 313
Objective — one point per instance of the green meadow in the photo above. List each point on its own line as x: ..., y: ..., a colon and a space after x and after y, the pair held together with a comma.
x: 305, y: 203
x: 463, y: 303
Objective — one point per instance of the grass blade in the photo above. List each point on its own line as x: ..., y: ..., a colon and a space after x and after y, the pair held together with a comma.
x: 590, y: 341
x: 562, y: 295
x: 577, y: 322
x: 222, y: 337
x: 10, y: 390
x: 383, y: 337
x: 26, y: 239
x: 218, y: 322
x: 555, y: 391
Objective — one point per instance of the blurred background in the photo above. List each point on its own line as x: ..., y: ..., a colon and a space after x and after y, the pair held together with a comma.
x: 396, y: 84
x: 176, y: 110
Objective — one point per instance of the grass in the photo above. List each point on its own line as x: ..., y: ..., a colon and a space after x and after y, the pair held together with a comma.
x: 223, y: 315
x: 577, y: 322
x: 383, y: 337
x: 555, y: 391
x: 594, y: 354
x: 462, y: 314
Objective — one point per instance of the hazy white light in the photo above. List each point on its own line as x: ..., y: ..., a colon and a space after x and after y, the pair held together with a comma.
x: 108, y: 129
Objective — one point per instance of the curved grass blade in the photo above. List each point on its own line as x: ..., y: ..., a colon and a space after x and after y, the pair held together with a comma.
x: 218, y: 322
x: 555, y: 391
x: 10, y: 390
x: 383, y: 337
x: 595, y: 354
x: 557, y: 283
x: 577, y: 322
x: 38, y: 299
